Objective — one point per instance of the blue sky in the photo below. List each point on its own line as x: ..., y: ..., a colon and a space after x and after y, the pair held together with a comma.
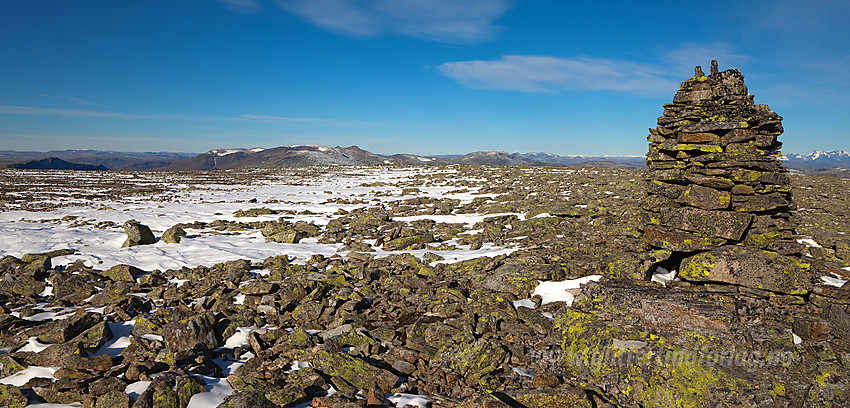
x: 404, y: 76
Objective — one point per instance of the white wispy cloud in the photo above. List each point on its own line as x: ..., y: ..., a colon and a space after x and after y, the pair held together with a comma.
x: 270, y: 118
x: 538, y: 73
x: 316, y: 121
x: 78, y: 101
x: 242, y: 6
x: 31, y: 110
x: 87, y: 113
x: 447, y: 21
x: 83, y: 113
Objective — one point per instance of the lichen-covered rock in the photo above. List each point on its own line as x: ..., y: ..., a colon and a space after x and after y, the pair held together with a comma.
x: 411, y: 242
x: 739, y: 265
x: 555, y: 398
x: 254, y: 212
x: 352, y: 371
x: 472, y: 361
x: 74, y: 287
x: 60, y: 331
x: 187, y: 387
x: 247, y: 399
x: 137, y: 234
x: 282, y: 233
x: 113, y: 399
x: 192, y: 333
x: 483, y: 401
x: 11, y: 396
x: 123, y: 273
x: 650, y: 373
x: 635, y: 266
x: 676, y: 240
x: 173, y: 235
x: 719, y: 224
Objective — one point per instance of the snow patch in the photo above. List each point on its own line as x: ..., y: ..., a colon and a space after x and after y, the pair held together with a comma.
x: 523, y: 303
x: 402, y: 400
x: 809, y: 242
x: 834, y: 280
x: 120, y: 339
x: 225, y: 152
x: 663, y: 276
x: 22, y: 377
x: 34, y: 345
x: 137, y: 388
x: 240, y: 338
x: 551, y: 291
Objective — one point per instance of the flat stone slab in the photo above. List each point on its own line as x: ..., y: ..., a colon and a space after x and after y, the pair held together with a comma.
x: 679, y: 241
x: 749, y: 267
x: 721, y: 224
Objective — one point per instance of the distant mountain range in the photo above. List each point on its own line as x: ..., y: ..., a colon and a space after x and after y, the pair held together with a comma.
x: 292, y: 156
x: 132, y: 161
x: 309, y: 155
x: 818, y: 160
x: 55, y: 163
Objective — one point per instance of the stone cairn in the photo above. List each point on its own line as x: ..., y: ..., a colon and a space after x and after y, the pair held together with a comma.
x: 715, y: 176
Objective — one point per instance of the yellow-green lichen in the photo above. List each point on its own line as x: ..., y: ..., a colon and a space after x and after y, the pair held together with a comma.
x: 700, y: 266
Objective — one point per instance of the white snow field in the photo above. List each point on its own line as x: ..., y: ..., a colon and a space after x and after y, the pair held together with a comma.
x: 75, y: 216
x: 316, y: 199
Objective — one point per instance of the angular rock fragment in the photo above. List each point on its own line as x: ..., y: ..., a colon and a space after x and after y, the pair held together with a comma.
x: 123, y: 273
x: 11, y: 396
x: 192, y: 333
x: 137, y: 234
x: 247, y: 399
x: 173, y: 235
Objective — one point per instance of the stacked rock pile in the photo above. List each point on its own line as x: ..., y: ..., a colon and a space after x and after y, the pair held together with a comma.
x: 715, y: 175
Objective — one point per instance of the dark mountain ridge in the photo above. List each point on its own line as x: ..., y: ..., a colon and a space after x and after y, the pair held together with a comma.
x: 130, y: 161
x: 311, y: 155
x: 55, y: 163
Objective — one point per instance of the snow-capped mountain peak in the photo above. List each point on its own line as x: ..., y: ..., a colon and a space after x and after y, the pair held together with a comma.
x: 820, y: 154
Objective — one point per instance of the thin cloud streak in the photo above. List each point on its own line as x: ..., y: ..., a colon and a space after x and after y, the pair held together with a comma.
x: 268, y: 118
x: 30, y: 110
x: 319, y: 121
x: 82, y: 113
x: 242, y: 6
x: 78, y: 101
x: 537, y: 73
x: 446, y: 21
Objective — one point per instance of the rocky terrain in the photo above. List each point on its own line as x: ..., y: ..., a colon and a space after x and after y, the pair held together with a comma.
x: 389, y: 286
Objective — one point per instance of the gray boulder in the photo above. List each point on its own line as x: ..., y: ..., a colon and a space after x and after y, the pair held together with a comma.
x: 137, y: 234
